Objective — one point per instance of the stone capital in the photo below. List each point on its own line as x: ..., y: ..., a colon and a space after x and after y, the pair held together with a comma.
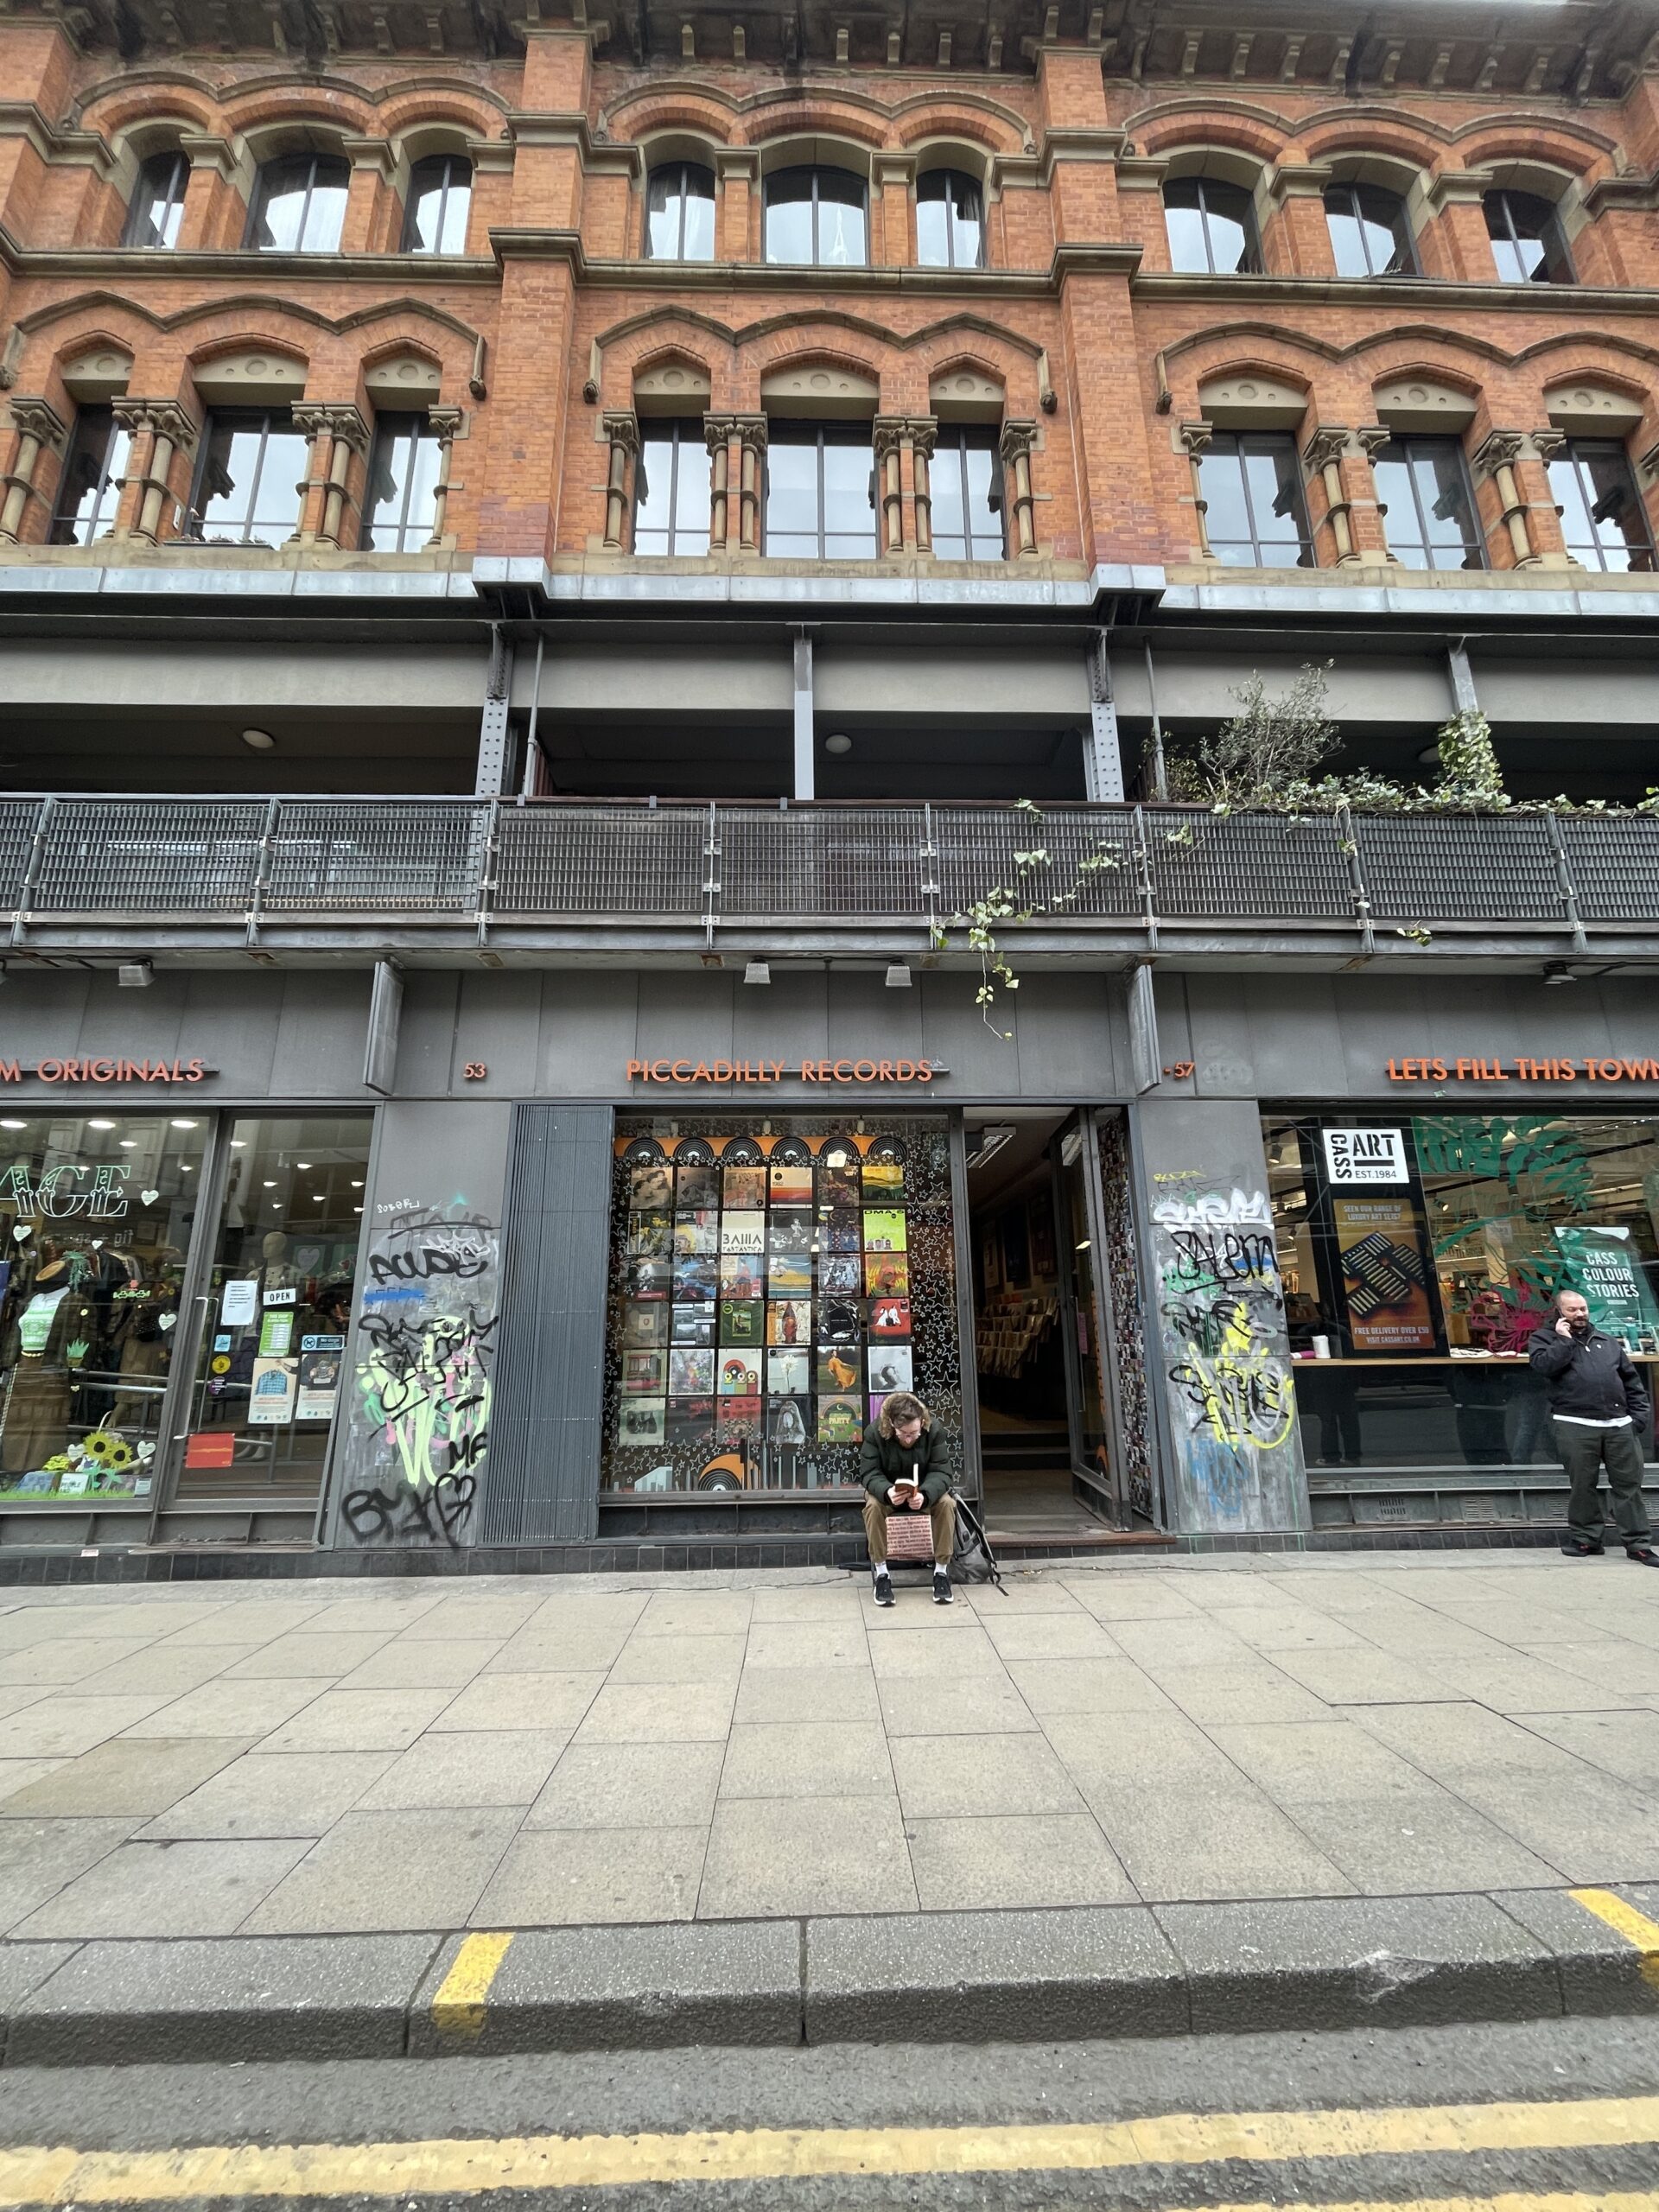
x: 752, y: 430
x: 1017, y: 440
x: 718, y: 430
x: 38, y: 419
x: 738, y: 161
x: 1326, y: 448
x: 376, y: 154
x: 889, y: 435
x: 333, y: 418
x: 165, y: 417
x: 1371, y: 437
x: 1499, y: 449
x: 1457, y: 188
x: 1298, y: 180
x: 621, y: 426
x: 445, y: 423
x: 204, y: 151
x: 923, y: 433
x: 1195, y: 437
x: 1548, y: 442
x: 893, y: 168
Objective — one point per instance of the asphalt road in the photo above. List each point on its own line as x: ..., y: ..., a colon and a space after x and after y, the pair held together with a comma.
x: 1566, y: 2111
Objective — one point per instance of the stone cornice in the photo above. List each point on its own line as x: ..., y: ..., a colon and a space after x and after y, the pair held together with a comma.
x: 125, y: 265
x: 528, y: 128
x: 1077, y: 145
x: 676, y: 278
x: 1298, y: 180
x: 54, y: 143
x: 1434, y: 293
x: 1639, y: 194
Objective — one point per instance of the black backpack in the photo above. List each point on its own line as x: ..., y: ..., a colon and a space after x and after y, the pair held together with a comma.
x: 973, y: 1560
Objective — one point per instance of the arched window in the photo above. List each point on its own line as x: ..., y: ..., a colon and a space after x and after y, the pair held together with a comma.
x: 440, y: 199
x: 1529, y: 244
x: 1255, y: 517
x: 950, y: 221
x: 1370, y: 234
x: 818, y: 217
x: 156, y: 208
x: 1423, y: 487
x: 1212, y: 226
x: 300, y: 204
x: 680, y: 212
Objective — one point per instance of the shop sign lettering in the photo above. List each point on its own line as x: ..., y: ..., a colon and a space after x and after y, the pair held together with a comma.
x: 1523, y: 1071
x: 58, y: 1197
x: 773, y: 1071
x: 107, y: 1071
x: 1366, y: 1155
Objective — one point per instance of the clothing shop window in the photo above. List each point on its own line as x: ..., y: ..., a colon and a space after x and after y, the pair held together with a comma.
x: 440, y: 200
x: 299, y: 206
x: 156, y: 208
x: 1254, y: 509
x: 671, y: 490
x: 1603, y: 519
x: 818, y: 217
x: 403, y: 470
x: 965, y: 479
x: 1430, y: 509
x: 250, y: 480
x: 770, y: 1285
x: 820, y: 492
x: 1212, y: 228
x: 1529, y: 244
x: 1370, y: 234
x: 267, y: 1371
x: 89, y: 490
x: 1420, y: 1254
x: 680, y: 212
x: 950, y: 221
x: 95, y: 1218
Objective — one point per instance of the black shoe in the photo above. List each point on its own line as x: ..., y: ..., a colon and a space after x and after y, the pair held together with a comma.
x: 883, y: 1585
x: 1582, y: 1547
x: 1643, y: 1555
x: 942, y: 1593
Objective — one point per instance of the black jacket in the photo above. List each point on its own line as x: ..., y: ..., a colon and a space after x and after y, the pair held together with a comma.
x: 884, y: 1458
x: 1592, y: 1376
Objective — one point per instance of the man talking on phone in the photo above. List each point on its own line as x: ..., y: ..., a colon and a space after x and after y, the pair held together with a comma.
x: 1599, y: 1411
x: 902, y: 1465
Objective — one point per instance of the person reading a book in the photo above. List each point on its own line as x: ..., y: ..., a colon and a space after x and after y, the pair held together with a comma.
x: 902, y: 1465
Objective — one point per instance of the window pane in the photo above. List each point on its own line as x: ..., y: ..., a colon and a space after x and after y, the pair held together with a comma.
x: 793, y: 494
x: 1405, y: 535
x: 1184, y: 220
x: 699, y: 215
x: 1387, y: 233
x: 283, y: 188
x: 932, y: 228
x: 1527, y: 243
x: 949, y: 515
x: 847, y: 513
x: 157, y: 207
x: 1227, y: 515
x: 968, y: 217
x: 1232, y: 230
x: 250, y: 487
x: 1602, y: 516
x: 440, y: 193
x: 1276, y: 499
x: 789, y: 216
x: 984, y: 514
x: 1446, y: 514
x: 90, y: 487
x: 1347, y: 233
x: 840, y: 220
x: 326, y: 217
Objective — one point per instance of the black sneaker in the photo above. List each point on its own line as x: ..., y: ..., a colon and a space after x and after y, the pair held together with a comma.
x: 942, y: 1593
x: 1582, y: 1547
x: 1643, y: 1555
x: 883, y: 1585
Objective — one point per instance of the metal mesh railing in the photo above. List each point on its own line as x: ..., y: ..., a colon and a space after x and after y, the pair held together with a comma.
x: 18, y: 821
x: 1090, y: 873
x: 1459, y: 867
x: 1614, y: 867
x: 1247, y: 867
x: 842, y: 863
x: 143, y: 856
x: 352, y: 855
x: 602, y: 860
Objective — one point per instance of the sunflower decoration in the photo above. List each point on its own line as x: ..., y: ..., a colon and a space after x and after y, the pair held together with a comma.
x: 100, y: 1447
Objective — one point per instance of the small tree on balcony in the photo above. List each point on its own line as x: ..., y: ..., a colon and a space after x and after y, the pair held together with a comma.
x: 1270, y: 752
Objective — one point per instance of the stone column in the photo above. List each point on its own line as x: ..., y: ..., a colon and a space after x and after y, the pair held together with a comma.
x: 892, y: 216
x: 335, y: 431
x: 445, y: 424
x: 39, y: 430
x: 1195, y: 437
x: 1456, y: 244
x: 890, y: 485
x: 752, y: 434
x: 621, y: 427
x: 1544, y: 516
x: 1367, y: 519
x: 367, y: 228
x: 1496, y: 459
x: 717, y: 432
x: 924, y: 435
x: 159, y: 429
x: 215, y: 213
x: 1298, y: 227
x: 1015, y: 448
x: 737, y: 188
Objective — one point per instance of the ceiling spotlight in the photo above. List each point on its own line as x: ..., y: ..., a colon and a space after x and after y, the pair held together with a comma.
x: 100, y: 1125
x: 258, y: 741
x: 135, y: 974
x: 757, y: 971
x: 898, y: 976
x: 1556, y: 972
x: 838, y: 744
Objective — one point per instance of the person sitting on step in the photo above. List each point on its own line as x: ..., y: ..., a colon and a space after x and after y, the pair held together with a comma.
x: 902, y: 1465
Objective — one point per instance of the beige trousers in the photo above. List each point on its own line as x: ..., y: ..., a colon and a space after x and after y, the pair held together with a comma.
x: 943, y: 1516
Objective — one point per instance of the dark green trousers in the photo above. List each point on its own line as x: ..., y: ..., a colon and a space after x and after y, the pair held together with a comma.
x: 1584, y: 1452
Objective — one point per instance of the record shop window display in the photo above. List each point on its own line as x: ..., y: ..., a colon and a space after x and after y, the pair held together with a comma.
x: 771, y: 1284
x: 95, y: 1218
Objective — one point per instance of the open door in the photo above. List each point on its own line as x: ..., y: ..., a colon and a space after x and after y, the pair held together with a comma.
x: 1095, y: 1458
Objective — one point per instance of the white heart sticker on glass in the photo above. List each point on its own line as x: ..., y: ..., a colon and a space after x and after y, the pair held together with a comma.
x: 149, y: 1196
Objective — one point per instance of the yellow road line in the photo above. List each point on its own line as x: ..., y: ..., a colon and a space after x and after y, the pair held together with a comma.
x: 462, y: 2006
x: 62, y: 2175
x: 1635, y: 1927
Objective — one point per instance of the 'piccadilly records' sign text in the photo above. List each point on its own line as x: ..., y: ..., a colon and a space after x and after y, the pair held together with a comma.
x: 1523, y: 1071
x: 768, y: 1071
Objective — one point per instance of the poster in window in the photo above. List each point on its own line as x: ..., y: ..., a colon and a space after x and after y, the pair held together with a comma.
x: 886, y: 1274
x: 691, y: 1420
x: 651, y: 1188
x: 788, y: 1423
x: 789, y: 1232
x: 651, y: 1235
x: 789, y: 1374
x: 1366, y: 1156
x: 889, y: 1316
x: 696, y: 1280
x: 741, y: 1276
x: 1605, y: 1265
x: 738, y: 1420
x: 271, y: 1398
x: 650, y: 1277
x: 885, y: 1230
x: 891, y: 1368
x: 789, y: 1183
x: 739, y: 1376
x: 696, y: 1186
x: 789, y: 1274
x: 318, y: 1385
x: 745, y: 1190
x: 789, y: 1321
x: 837, y: 1367
x: 841, y: 1420
x: 838, y: 1182
x: 641, y: 1420
x: 694, y: 1325
x: 239, y: 1302
x: 838, y: 1321
x: 743, y: 1232
x: 884, y: 1181
x: 1385, y: 1280
x: 690, y: 1373
x: 275, y: 1335
x: 697, y: 1233
x: 644, y: 1374
x: 840, y: 1273
x: 841, y: 1230
x: 644, y: 1323
x: 742, y: 1321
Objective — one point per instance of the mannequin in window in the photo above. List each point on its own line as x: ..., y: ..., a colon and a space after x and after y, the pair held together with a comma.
x: 277, y: 1272
x: 55, y: 1333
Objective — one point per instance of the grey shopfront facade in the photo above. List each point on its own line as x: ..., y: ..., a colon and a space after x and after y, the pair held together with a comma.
x: 478, y: 1370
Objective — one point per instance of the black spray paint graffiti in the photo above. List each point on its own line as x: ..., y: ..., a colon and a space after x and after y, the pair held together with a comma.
x: 426, y: 1347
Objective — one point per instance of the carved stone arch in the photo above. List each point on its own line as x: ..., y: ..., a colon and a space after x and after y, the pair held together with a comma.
x: 1172, y: 126
x: 1370, y: 115
x: 267, y: 303
x: 433, y: 115
x: 1253, y: 394
x: 93, y: 365
x: 796, y: 114
x: 1404, y: 335
x: 805, y: 321
x: 132, y: 89
x: 667, y: 380
x: 285, y: 83
x: 1521, y: 131
x: 703, y: 111
x: 173, y: 103
x: 1012, y: 341
x: 652, y: 320
x: 1594, y: 364
x: 988, y: 123
x: 239, y: 368
x: 275, y: 125
x: 112, y: 304
x: 462, y: 91
x: 406, y: 304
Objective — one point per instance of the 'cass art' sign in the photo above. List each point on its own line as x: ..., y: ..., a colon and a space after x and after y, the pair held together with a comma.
x: 1366, y: 1155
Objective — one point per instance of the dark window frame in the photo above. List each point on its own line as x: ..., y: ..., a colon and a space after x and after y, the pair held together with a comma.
x: 146, y: 197
x: 686, y: 168
x: 65, y: 529
x: 817, y: 171
x: 448, y: 188
x: 1551, y: 237
x: 272, y: 421
x: 949, y: 179
x: 390, y: 426
x: 956, y: 440
x: 1204, y: 187
x: 264, y: 194
x: 1355, y: 189
x: 790, y: 431
x: 683, y: 432
x: 1574, y: 454
x: 1237, y: 445
x: 1406, y: 445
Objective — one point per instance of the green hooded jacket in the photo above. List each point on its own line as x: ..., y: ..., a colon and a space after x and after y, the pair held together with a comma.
x: 884, y: 1458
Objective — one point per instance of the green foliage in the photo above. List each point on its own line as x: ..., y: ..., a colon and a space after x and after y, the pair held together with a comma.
x: 1269, y: 747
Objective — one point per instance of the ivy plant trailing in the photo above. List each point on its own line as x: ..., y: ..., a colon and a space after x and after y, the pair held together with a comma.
x: 1265, y: 760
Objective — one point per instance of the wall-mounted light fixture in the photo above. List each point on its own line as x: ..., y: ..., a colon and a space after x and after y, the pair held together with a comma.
x: 135, y: 974
x: 757, y: 971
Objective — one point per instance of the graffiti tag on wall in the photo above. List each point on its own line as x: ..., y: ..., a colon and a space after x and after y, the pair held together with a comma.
x: 1221, y: 1311
x: 425, y: 1388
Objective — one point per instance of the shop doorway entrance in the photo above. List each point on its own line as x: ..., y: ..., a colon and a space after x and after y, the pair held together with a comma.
x: 1045, y: 1426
